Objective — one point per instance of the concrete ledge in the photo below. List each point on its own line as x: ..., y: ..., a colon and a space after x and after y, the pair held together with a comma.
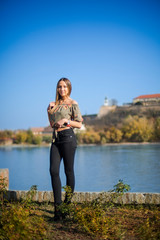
x: 126, y: 198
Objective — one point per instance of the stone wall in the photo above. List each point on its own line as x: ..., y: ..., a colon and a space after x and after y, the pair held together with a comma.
x: 104, y: 110
x: 47, y: 196
x: 126, y: 198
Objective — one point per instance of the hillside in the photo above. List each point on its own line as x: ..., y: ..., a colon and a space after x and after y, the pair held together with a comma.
x: 116, y: 117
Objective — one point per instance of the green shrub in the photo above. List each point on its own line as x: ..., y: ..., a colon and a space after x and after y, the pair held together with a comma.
x: 47, y: 139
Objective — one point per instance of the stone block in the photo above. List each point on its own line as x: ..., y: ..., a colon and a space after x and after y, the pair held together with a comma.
x: 141, y: 198
x: 51, y: 197
x: 148, y: 198
x: 46, y: 197
x: 107, y: 196
x: 40, y: 196
x: 35, y: 196
x: 18, y: 195
x: 155, y: 198
x: 23, y: 195
x: 131, y: 198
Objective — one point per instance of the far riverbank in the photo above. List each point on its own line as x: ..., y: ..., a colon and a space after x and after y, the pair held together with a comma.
x: 106, y: 144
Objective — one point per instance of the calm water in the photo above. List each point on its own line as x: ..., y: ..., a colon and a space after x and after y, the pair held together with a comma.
x: 97, y: 168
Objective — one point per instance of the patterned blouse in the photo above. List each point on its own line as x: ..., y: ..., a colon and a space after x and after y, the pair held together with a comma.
x: 68, y: 111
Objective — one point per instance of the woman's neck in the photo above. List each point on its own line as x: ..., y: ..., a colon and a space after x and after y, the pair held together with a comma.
x: 64, y: 99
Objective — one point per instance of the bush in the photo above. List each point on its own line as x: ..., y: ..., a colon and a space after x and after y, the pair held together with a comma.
x: 16, y: 223
x: 19, y: 222
x: 20, y: 137
x: 89, y: 137
x: 47, y: 139
x: 37, y: 140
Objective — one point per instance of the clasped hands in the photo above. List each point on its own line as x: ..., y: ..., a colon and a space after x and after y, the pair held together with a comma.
x: 60, y: 123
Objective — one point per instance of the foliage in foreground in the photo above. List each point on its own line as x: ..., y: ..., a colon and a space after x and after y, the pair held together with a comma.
x: 97, y: 219
x: 106, y: 220
x: 18, y: 220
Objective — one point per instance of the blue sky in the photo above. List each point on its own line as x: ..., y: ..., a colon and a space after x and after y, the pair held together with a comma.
x: 106, y: 48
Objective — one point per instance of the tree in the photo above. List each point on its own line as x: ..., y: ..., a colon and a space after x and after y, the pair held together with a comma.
x: 37, y: 140
x: 47, y: 139
x: 138, y: 129
x: 114, y: 135
x: 157, y: 129
x: 20, y: 137
x: 29, y: 137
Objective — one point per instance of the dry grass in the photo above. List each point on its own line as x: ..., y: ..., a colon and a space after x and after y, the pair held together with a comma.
x: 123, y: 222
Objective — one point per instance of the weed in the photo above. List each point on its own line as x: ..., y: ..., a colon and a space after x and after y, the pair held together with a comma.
x: 29, y: 196
x: 121, y: 187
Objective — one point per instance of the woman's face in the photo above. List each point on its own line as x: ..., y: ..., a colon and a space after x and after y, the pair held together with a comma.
x: 63, y: 89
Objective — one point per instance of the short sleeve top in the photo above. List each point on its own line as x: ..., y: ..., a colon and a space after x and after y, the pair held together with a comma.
x: 68, y: 111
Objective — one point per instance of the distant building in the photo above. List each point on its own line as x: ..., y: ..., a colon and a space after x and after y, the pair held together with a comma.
x: 48, y: 130
x: 152, y: 99
x: 105, y: 108
x: 6, y: 141
x: 37, y: 130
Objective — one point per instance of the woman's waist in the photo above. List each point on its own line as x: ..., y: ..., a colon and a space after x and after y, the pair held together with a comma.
x: 62, y: 129
x: 64, y: 135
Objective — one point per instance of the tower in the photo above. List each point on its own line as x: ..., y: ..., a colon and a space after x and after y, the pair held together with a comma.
x: 106, y: 101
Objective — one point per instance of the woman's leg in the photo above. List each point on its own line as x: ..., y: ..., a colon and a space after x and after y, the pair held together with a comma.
x: 55, y: 159
x: 68, y: 153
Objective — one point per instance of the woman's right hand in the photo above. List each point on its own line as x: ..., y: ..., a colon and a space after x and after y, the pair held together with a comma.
x: 50, y: 106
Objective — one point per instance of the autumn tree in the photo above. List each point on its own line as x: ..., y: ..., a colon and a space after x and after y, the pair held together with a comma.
x: 20, y: 137
x: 138, y: 129
x: 157, y: 129
x: 113, y: 135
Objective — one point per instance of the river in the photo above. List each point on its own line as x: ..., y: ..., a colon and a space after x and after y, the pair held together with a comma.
x: 97, y: 168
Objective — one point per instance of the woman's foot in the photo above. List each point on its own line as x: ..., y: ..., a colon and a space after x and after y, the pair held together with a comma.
x: 57, y: 213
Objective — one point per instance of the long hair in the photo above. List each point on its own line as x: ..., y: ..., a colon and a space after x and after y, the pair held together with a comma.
x: 69, y: 86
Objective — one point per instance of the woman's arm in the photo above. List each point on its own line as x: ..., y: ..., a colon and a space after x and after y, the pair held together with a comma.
x: 50, y: 106
x: 74, y: 124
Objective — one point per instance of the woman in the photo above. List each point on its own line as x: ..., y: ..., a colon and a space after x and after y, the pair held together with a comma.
x: 64, y: 115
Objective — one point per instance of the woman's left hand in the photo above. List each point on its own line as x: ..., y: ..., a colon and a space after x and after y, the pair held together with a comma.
x: 61, y: 122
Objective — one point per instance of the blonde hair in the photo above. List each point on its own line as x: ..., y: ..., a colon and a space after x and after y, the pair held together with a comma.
x: 69, y: 86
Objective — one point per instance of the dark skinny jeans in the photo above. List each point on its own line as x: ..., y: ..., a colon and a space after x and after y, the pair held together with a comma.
x: 64, y: 148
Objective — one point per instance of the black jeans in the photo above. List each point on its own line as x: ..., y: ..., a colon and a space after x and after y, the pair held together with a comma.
x: 63, y: 147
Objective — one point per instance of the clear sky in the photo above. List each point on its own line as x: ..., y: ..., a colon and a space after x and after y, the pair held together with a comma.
x: 107, y: 48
